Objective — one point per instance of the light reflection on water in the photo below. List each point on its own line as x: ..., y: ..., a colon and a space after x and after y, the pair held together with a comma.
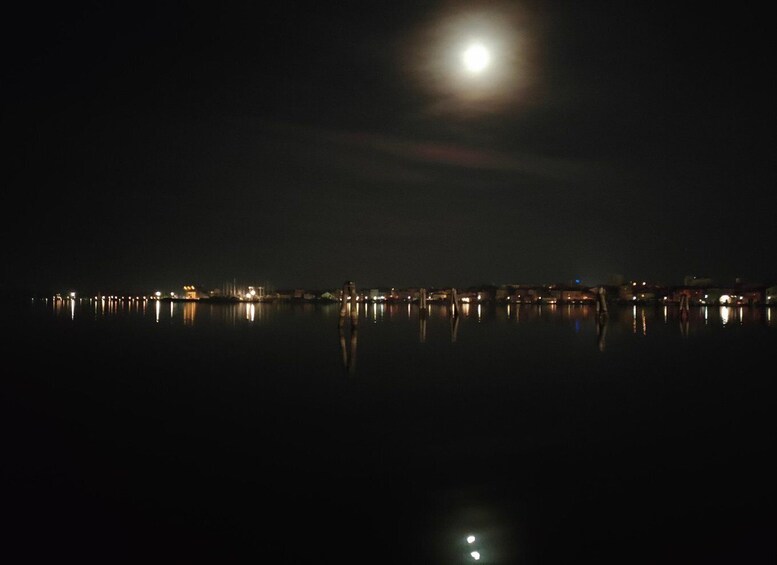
x: 638, y: 319
x: 527, y: 336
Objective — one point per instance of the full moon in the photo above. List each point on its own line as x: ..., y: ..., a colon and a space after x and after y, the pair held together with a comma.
x: 476, y: 58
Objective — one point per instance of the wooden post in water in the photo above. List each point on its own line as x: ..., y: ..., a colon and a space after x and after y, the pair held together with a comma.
x: 344, y: 296
x: 455, y: 303
x: 422, y: 302
x: 601, y: 301
x: 354, y: 307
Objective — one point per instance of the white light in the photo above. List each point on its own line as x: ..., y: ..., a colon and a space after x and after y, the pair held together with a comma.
x: 72, y: 295
x: 476, y: 58
x: 470, y: 539
x: 475, y: 555
x: 157, y: 294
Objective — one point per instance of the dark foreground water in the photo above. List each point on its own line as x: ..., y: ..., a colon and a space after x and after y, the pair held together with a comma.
x: 179, y: 433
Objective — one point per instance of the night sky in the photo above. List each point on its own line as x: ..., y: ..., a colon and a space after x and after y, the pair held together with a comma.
x: 302, y: 144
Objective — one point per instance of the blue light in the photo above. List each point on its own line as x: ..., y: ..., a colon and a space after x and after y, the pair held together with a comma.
x: 577, y: 281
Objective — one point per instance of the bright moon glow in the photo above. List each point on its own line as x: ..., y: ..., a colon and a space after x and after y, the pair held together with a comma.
x: 476, y: 58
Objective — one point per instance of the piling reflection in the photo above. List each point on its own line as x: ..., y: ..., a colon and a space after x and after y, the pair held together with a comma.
x: 349, y: 309
x: 684, y: 325
x: 636, y: 320
x: 189, y: 313
x: 601, y: 333
x: 348, y: 349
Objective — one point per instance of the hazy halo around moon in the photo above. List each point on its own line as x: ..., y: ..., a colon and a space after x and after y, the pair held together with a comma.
x: 472, y: 61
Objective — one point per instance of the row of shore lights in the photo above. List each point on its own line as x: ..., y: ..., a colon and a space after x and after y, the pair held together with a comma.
x: 157, y: 295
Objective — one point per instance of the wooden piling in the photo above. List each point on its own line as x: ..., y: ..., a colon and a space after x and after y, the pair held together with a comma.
x: 354, y: 307
x: 601, y: 301
x: 344, y: 297
x: 422, y: 300
x: 455, y: 303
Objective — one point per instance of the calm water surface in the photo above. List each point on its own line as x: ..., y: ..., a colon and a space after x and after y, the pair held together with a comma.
x: 183, y: 432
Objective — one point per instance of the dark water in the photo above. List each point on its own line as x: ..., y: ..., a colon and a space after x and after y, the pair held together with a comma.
x: 180, y: 433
